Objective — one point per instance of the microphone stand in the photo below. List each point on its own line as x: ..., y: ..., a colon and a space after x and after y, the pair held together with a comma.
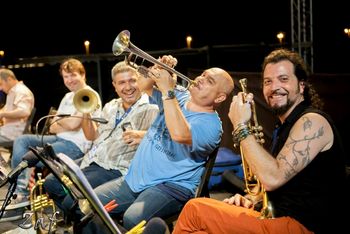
x: 46, y: 153
x: 9, y: 195
x: 61, y: 116
x: 77, y: 185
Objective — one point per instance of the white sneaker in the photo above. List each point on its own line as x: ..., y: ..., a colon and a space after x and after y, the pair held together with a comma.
x: 20, y: 202
x: 12, y: 215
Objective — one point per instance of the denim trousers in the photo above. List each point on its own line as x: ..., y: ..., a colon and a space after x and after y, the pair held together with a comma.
x: 21, y: 148
x: 95, y: 174
x: 151, y: 202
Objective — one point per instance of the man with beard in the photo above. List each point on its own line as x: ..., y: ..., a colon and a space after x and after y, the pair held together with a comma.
x: 113, y: 145
x: 300, y: 175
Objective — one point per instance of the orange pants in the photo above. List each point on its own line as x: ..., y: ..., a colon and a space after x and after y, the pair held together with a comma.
x: 205, y: 215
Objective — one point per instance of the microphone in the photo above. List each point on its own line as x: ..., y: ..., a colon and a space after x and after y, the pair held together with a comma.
x: 29, y: 160
x: 61, y: 116
x: 98, y: 120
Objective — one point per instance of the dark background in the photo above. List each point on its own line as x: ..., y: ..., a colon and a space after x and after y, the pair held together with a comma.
x: 32, y: 28
x: 233, y: 35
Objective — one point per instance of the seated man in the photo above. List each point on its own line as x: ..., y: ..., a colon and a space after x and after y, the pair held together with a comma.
x: 18, y: 107
x: 69, y: 137
x: 305, y: 168
x: 113, y: 146
x: 169, y: 162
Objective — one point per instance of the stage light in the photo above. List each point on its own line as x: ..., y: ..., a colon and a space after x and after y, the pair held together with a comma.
x: 280, y: 37
x: 87, y: 47
x: 188, y: 41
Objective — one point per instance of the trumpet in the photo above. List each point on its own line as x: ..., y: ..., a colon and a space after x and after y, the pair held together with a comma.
x: 252, y: 184
x: 42, y: 206
x: 86, y: 101
x: 122, y: 43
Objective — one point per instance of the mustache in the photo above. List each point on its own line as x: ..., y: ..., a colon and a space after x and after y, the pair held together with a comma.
x: 279, y: 92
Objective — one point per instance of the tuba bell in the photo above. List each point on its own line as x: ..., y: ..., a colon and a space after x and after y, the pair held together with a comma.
x: 86, y: 101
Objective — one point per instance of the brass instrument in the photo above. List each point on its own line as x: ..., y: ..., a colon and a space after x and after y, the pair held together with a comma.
x: 252, y: 184
x: 122, y: 43
x: 86, y: 101
x: 42, y: 207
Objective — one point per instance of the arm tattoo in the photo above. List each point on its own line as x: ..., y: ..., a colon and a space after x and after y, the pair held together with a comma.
x: 300, y: 149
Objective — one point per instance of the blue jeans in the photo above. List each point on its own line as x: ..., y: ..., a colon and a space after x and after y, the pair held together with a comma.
x: 21, y: 147
x: 95, y: 174
x: 151, y: 202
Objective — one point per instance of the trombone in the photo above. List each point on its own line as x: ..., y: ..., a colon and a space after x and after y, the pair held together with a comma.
x: 122, y: 43
x: 86, y: 101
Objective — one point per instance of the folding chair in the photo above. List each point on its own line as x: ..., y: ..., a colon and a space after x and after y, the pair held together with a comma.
x: 27, y: 129
x: 202, y: 189
x: 45, y: 129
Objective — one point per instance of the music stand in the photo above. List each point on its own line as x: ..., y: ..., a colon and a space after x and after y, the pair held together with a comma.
x: 62, y: 166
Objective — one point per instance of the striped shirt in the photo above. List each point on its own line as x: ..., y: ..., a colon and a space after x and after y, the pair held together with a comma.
x: 109, y: 150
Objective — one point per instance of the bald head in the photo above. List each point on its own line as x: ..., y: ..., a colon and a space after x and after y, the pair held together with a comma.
x: 212, y: 88
x: 224, y: 78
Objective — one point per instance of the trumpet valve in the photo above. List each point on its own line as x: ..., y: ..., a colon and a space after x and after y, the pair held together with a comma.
x: 258, y: 128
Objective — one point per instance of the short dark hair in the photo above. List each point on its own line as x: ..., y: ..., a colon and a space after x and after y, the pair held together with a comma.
x: 6, y: 73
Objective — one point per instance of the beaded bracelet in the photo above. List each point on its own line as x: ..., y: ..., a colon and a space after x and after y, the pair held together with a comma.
x: 239, y: 127
x: 240, y: 134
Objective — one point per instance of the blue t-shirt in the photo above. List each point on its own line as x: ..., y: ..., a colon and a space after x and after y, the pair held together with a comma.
x: 158, y: 159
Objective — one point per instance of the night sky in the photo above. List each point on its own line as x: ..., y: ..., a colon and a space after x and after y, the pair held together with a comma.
x: 60, y: 28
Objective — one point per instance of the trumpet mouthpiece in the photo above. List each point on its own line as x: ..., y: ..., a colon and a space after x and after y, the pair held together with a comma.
x: 193, y: 83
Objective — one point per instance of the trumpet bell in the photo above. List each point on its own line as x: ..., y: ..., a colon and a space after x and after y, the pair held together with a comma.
x: 121, y: 42
x: 86, y: 101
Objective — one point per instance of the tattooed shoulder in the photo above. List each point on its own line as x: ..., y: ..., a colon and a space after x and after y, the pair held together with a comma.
x: 306, y: 139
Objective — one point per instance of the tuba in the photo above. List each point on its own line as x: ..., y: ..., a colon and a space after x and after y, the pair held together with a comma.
x: 122, y: 43
x: 252, y: 184
x: 86, y: 101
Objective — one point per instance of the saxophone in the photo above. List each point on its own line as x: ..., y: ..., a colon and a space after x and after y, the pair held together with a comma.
x: 252, y: 184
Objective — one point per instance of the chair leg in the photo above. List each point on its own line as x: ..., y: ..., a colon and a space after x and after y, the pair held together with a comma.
x: 232, y: 178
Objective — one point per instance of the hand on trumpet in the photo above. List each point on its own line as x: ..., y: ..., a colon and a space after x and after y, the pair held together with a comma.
x: 171, y: 62
x: 163, y: 79
x: 240, y: 109
x: 168, y: 60
x: 239, y: 200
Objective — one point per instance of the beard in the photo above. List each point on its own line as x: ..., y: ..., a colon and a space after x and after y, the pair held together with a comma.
x: 281, y: 110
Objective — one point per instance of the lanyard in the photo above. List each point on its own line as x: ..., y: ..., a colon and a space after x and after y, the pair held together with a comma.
x: 118, y: 120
